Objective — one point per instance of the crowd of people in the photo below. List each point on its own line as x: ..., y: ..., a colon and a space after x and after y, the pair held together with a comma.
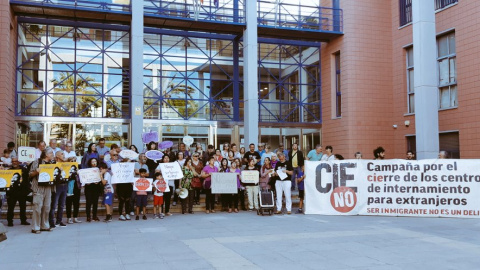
x: 50, y: 200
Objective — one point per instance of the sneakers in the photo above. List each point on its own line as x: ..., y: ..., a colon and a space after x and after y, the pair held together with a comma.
x: 300, y: 211
x: 137, y: 218
x: 61, y: 224
x: 156, y: 216
x: 144, y: 217
x: 127, y: 217
x: 25, y: 223
x: 76, y: 220
x: 131, y: 214
x: 278, y: 212
x: 289, y: 212
x: 162, y: 216
x: 174, y: 203
x: 122, y: 217
x: 108, y: 218
x: 70, y: 221
x: 51, y: 226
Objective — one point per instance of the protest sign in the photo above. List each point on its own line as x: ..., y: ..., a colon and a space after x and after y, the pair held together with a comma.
x: 154, y: 155
x: 161, y: 186
x: 132, y: 155
x: 151, y: 136
x: 425, y: 188
x: 68, y: 168
x: 122, y: 172
x: 142, y: 184
x: 26, y: 154
x: 9, y: 179
x: 188, y: 140
x: 48, y: 173
x: 165, y: 144
x: 171, y: 170
x: 250, y: 177
x: 89, y: 176
x: 224, y: 183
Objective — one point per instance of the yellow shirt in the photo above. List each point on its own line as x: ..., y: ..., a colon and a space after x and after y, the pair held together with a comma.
x: 294, y: 160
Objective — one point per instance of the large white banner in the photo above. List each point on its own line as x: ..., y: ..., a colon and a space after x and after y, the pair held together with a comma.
x: 426, y: 188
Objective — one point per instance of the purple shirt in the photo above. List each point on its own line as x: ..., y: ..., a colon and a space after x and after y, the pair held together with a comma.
x: 209, y: 169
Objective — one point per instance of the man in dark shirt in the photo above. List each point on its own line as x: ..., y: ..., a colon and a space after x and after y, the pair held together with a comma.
x: 283, y: 183
x: 252, y: 154
x: 18, y: 193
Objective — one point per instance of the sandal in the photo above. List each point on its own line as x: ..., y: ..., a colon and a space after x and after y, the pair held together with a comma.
x: 236, y: 210
x: 230, y: 210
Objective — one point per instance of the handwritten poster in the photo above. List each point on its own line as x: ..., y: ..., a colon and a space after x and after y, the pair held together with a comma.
x: 171, y: 170
x: 122, y: 172
x: 250, y: 177
x: 89, y: 176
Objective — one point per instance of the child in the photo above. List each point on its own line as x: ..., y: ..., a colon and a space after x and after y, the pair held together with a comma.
x: 301, y: 189
x: 7, y: 161
x: 106, y: 177
x: 142, y: 198
x: 158, y: 197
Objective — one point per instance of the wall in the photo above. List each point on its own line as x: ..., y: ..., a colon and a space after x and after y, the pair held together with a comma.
x: 7, y: 74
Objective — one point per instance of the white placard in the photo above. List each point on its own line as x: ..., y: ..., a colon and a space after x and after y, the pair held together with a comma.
x: 122, y: 172
x: 250, y: 177
x: 424, y: 188
x: 171, y: 170
x: 224, y: 183
x: 188, y: 140
x: 131, y: 155
x: 142, y: 184
x: 26, y: 154
x: 281, y: 174
x: 89, y: 176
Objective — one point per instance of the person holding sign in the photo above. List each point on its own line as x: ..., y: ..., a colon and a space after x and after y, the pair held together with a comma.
x: 73, y: 195
x: 225, y: 198
x: 60, y: 195
x: 106, y: 177
x: 207, y: 175
x: 283, y: 184
x: 142, y: 197
x: 167, y: 196
x: 18, y: 192
x: 159, y: 187
x: 186, y: 182
x: 252, y: 188
x: 42, y: 194
x: 92, y: 193
x: 91, y: 153
x: 232, y: 200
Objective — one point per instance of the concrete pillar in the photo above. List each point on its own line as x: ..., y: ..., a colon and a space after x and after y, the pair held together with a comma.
x: 426, y: 79
x: 136, y: 75
x: 250, y: 89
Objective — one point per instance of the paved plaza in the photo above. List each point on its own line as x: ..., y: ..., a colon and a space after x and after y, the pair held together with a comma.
x: 248, y: 241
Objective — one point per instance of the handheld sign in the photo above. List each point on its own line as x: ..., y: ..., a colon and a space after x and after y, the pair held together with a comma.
x: 171, y: 170
x: 48, y: 173
x: 122, y: 172
x: 188, y: 140
x: 132, y: 155
x: 250, y: 177
x: 142, y: 184
x: 89, y: 176
x: 68, y: 168
x: 154, y: 155
x: 165, y: 144
x: 161, y: 186
x: 26, y: 154
x: 9, y: 179
x: 151, y: 136
x: 224, y: 183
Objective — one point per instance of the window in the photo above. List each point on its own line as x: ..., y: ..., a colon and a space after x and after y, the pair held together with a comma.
x: 405, y: 12
x: 447, y: 71
x: 449, y: 141
x: 338, y: 93
x: 410, y: 81
x: 439, y: 4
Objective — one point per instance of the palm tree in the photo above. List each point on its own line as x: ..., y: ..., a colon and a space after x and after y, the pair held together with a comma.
x: 179, y: 104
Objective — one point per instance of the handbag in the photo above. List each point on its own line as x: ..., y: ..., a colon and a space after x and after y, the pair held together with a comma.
x: 196, y: 182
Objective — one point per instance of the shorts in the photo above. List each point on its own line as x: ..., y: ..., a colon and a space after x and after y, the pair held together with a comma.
x: 157, y: 200
x: 142, y: 200
x: 108, y: 199
x: 301, y: 194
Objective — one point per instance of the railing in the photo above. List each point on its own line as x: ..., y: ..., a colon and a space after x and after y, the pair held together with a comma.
x: 298, y: 16
x: 439, y: 4
x: 104, y: 5
x: 227, y: 11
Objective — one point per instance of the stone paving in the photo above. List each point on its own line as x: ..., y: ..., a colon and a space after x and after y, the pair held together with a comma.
x: 248, y: 241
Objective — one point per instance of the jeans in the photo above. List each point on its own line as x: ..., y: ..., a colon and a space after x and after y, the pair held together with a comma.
x: 294, y: 176
x: 58, y: 198
x: 284, y: 187
x: 74, y: 201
